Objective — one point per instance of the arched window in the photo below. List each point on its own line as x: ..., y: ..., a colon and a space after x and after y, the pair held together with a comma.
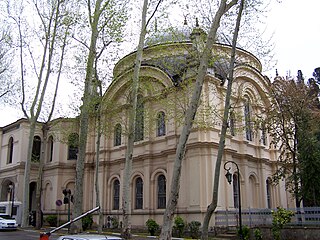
x: 10, y: 151
x: 36, y: 149
x: 268, y: 188
x: 117, y: 134
x: 161, y: 124
x: 139, y: 126
x: 235, y: 191
x: 116, y: 195
x: 247, y: 119
x: 232, y: 121
x: 161, y: 191
x: 73, y: 144
x: 50, y: 149
x: 139, y: 194
x: 253, y: 197
x: 32, y: 196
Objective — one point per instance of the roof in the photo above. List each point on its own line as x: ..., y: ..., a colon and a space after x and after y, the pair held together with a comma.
x: 168, y: 35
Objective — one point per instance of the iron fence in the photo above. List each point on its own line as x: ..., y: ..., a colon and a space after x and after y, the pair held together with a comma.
x: 309, y: 216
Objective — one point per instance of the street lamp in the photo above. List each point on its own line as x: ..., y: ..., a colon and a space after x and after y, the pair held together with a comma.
x: 67, y: 197
x: 229, y: 179
x: 11, y: 188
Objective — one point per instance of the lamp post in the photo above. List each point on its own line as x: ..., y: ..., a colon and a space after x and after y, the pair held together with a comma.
x: 229, y: 178
x: 11, y: 187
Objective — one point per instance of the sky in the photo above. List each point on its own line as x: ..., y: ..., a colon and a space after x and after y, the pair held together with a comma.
x: 296, y: 28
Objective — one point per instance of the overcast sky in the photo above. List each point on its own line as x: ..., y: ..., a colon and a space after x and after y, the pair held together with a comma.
x: 296, y: 28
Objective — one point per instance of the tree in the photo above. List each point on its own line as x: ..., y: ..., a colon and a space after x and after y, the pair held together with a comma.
x: 54, y: 23
x: 309, y: 159
x: 291, y: 124
x: 8, y: 86
x: 189, y: 117
x: 126, y: 199
x: 316, y: 74
x: 98, y: 126
x: 215, y: 192
x: 308, y: 146
x: 126, y: 206
x: 252, y: 35
x: 104, y: 17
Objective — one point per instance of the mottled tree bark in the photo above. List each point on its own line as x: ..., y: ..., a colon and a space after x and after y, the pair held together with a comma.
x: 98, y: 131
x: 84, y: 117
x: 166, y: 230
x: 126, y: 199
x: 45, y: 69
x: 224, y: 127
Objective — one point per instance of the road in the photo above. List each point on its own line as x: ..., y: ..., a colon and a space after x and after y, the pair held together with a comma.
x: 31, y: 234
x: 23, y: 235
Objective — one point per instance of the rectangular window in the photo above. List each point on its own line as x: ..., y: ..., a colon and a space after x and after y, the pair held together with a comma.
x: 139, y: 126
x: 247, y: 119
x: 263, y: 135
x: 2, y: 209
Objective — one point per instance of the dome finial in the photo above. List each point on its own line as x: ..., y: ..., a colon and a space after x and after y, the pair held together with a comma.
x: 197, y: 22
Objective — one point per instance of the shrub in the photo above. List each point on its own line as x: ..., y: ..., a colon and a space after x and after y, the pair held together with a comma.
x: 114, y: 222
x: 194, y: 227
x: 152, y: 226
x: 52, y: 220
x: 257, y: 234
x: 87, y: 222
x: 245, y: 232
x: 279, y: 219
x: 179, y: 225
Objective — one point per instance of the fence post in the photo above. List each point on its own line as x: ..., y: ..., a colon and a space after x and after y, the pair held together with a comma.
x: 250, y: 220
x: 227, y: 218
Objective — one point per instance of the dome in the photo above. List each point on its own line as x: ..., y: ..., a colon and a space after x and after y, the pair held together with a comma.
x: 169, y: 35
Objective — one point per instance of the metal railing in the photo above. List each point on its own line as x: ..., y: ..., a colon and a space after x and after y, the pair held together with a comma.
x: 263, y: 217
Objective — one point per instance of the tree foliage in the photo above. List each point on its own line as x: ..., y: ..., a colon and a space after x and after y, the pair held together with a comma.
x: 253, y: 36
x: 293, y: 124
x: 280, y: 218
x: 113, y: 17
x: 204, y: 49
x: 215, y: 192
x: 134, y: 115
x: 40, y: 46
x: 104, y: 25
x: 8, y: 86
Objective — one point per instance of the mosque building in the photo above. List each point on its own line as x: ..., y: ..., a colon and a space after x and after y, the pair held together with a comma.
x: 167, y: 76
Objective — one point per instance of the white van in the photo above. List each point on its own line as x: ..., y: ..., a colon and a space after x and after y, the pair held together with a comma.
x: 12, y: 210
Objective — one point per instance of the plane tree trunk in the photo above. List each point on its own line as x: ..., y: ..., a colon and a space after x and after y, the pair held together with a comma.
x: 224, y: 128
x: 50, y: 42
x: 84, y: 118
x: 126, y: 199
x: 166, y: 230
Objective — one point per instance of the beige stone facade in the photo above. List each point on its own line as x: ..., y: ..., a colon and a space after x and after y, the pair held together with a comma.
x: 167, y: 76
